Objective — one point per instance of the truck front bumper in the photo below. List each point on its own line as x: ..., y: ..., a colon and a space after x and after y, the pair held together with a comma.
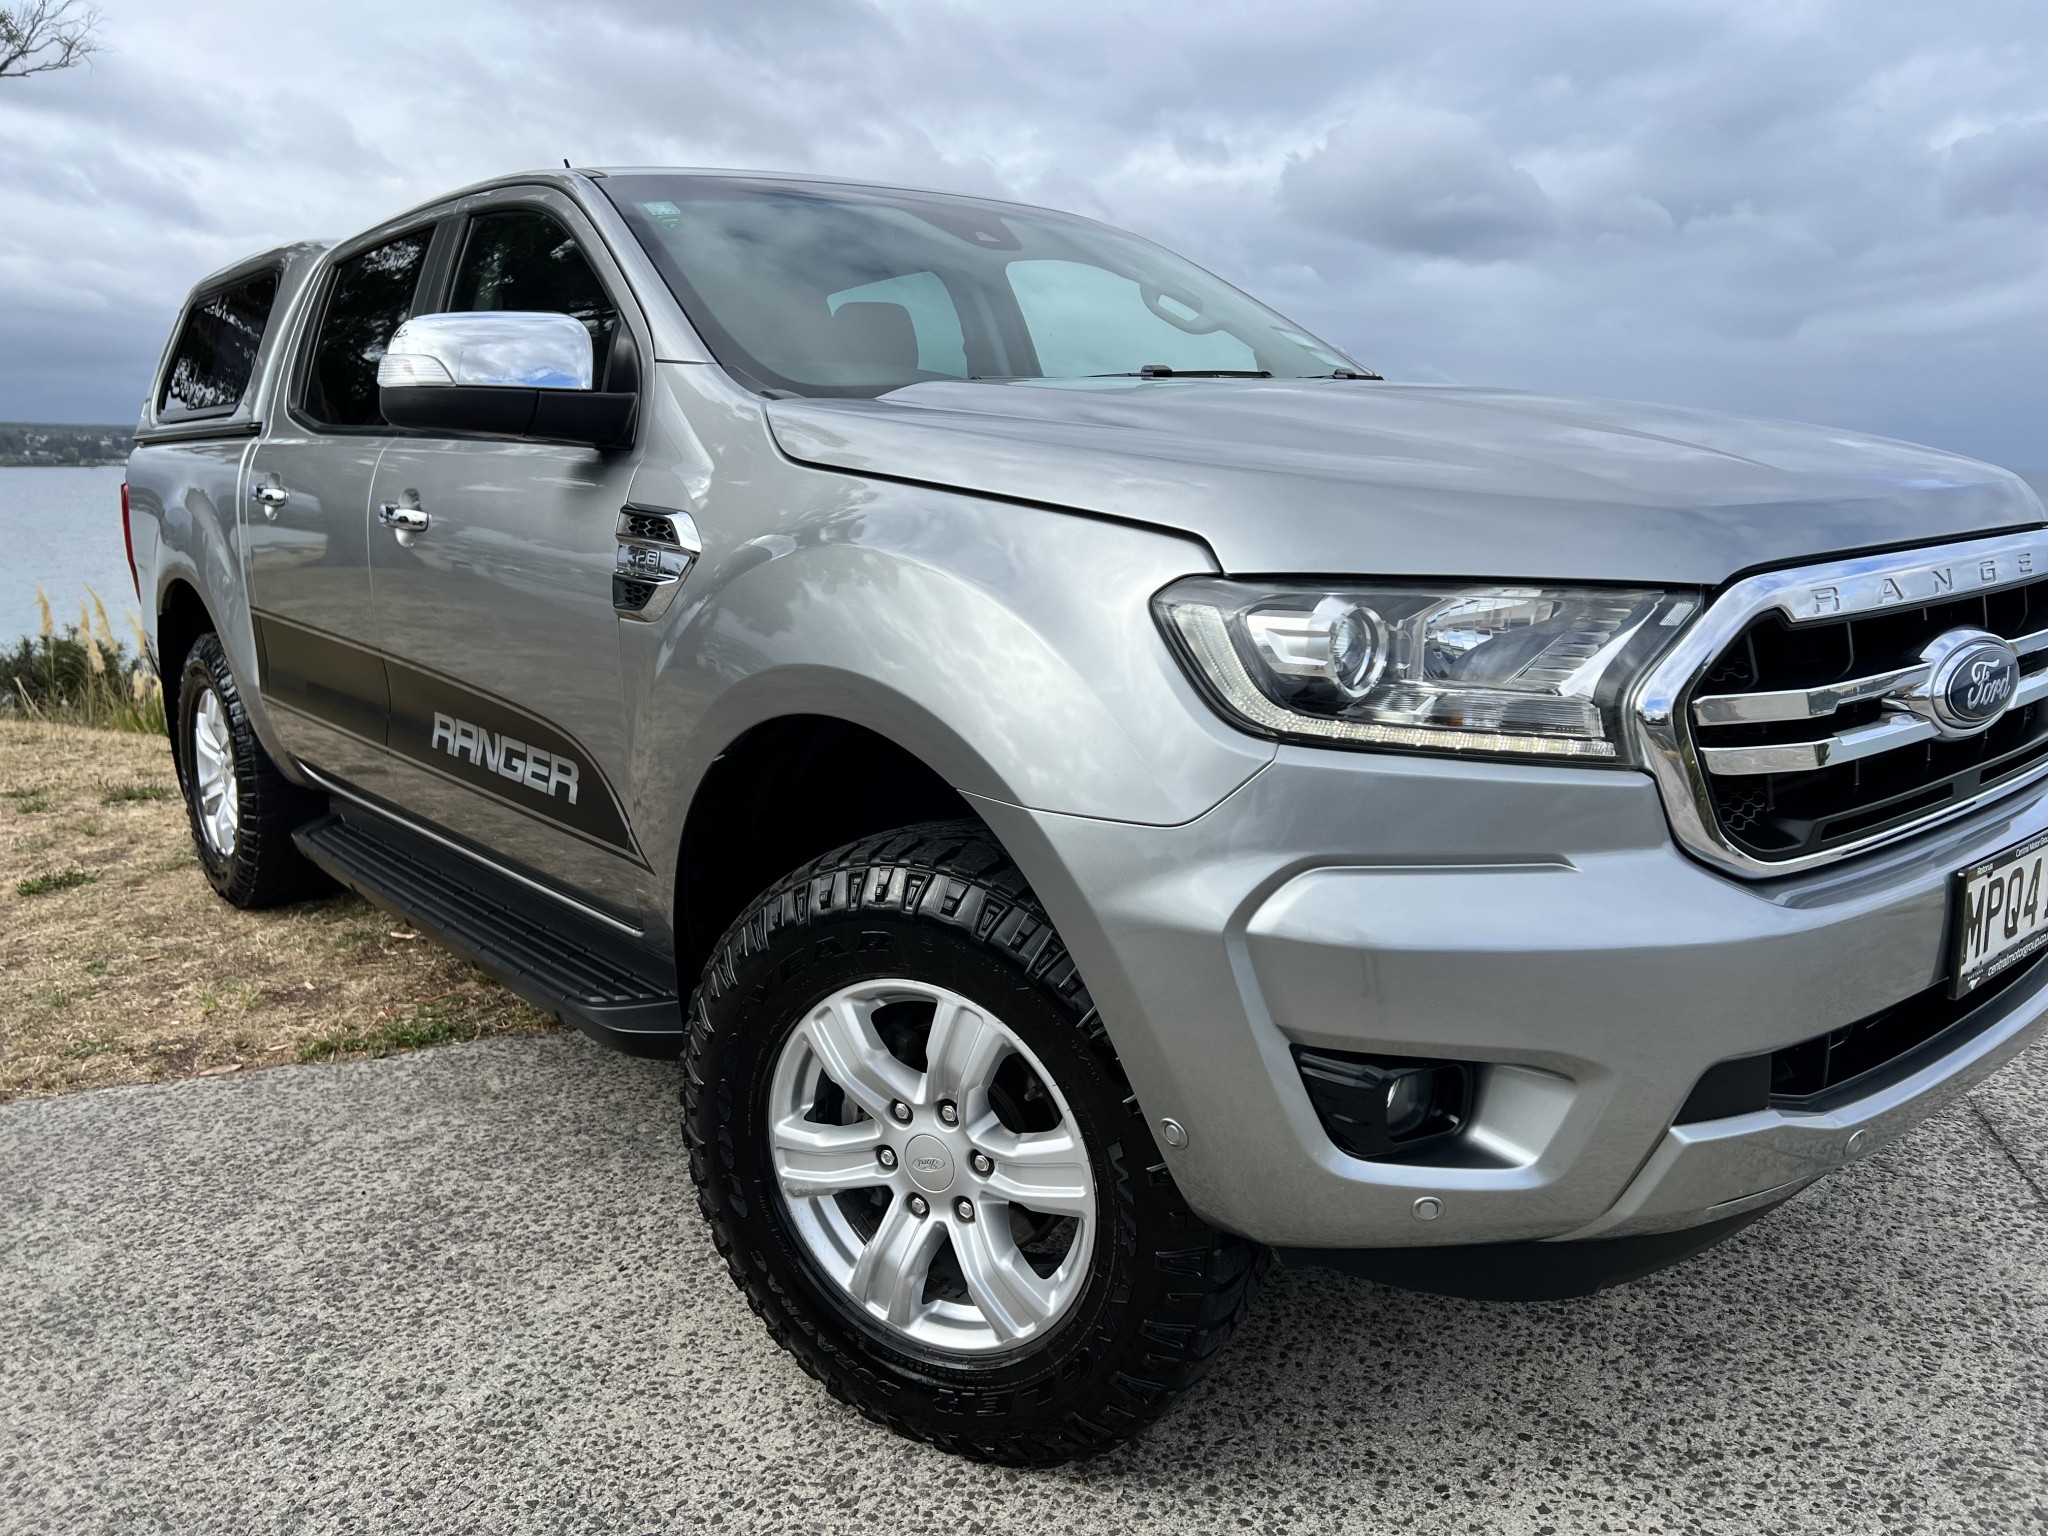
x: 1538, y: 922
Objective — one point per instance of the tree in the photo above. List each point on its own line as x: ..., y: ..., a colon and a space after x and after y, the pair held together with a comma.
x: 43, y: 35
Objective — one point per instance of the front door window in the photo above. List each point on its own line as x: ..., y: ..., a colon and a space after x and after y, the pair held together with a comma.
x: 523, y: 259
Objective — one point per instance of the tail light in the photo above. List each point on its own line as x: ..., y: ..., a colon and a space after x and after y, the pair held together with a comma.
x: 128, y: 542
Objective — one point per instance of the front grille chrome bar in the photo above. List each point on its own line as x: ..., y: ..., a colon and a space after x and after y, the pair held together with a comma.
x: 1896, y: 730
x: 1813, y: 703
x: 1797, y: 756
x: 1803, y: 703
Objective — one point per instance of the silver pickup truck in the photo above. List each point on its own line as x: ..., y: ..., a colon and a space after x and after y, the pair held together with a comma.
x: 1099, y: 788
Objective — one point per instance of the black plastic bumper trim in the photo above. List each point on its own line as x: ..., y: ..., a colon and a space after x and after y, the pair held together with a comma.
x: 1521, y: 1271
x: 1861, y: 1058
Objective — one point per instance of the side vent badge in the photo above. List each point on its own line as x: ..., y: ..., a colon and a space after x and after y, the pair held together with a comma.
x: 656, y: 551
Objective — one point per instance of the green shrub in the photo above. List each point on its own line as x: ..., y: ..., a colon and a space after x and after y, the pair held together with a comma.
x: 83, y: 675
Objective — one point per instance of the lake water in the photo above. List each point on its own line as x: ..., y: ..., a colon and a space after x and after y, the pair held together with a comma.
x: 60, y: 529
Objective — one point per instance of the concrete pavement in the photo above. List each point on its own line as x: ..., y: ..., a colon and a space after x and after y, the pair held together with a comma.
x: 467, y: 1290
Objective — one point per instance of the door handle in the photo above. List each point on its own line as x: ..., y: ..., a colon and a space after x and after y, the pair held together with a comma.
x: 403, y: 519
x: 270, y: 495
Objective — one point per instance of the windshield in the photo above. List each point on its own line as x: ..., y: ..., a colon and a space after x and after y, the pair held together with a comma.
x: 822, y: 290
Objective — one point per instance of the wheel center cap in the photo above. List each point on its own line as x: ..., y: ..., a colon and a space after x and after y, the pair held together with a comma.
x: 930, y: 1164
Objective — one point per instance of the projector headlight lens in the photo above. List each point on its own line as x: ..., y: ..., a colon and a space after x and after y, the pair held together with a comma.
x: 1519, y: 671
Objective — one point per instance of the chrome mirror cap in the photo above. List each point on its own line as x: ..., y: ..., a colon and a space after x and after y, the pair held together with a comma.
x: 512, y: 349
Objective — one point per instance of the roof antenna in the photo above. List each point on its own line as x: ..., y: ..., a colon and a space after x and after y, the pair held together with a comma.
x: 565, y: 163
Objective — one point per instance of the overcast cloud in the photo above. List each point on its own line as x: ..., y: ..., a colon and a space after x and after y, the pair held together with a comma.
x: 1828, y: 209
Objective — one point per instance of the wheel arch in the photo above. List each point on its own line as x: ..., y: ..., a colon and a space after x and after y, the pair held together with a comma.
x: 181, y: 618
x: 781, y: 792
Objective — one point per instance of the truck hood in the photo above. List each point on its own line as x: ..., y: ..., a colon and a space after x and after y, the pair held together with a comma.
x: 1340, y: 476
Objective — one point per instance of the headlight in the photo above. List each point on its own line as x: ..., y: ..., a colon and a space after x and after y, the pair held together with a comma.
x: 1524, y: 671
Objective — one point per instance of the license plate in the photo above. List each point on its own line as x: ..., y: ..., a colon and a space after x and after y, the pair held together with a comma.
x: 2001, y: 914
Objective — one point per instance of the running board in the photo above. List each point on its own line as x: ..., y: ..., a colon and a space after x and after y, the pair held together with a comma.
x: 573, y: 968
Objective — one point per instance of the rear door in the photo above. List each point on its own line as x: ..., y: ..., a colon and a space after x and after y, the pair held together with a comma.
x: 508, y: 719
x: 307, y: 524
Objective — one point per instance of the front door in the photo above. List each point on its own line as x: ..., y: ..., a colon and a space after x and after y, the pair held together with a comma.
x: 508, y: 722
x: 307, y: 519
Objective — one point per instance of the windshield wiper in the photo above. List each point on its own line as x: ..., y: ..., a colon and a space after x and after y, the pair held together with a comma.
x: 1355, y: 373
x: 1161, y: 371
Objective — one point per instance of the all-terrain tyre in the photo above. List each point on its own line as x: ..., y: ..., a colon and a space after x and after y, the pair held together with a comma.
x: 923, y: 953
x: 242, y: 810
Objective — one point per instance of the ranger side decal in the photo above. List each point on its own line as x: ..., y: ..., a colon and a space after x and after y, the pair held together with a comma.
x: 506, y: 756
x: 477, y: 739
x: 503, y: 751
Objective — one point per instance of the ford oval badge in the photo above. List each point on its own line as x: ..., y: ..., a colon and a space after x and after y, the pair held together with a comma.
x: 1975, y: 677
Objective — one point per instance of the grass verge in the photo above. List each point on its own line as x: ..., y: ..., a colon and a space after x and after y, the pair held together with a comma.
x: 428, y: 1025
x: 122, y: 966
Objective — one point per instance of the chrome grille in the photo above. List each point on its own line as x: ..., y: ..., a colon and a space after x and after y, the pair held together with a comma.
x: 1813, y: 753
x: 1792, y: 725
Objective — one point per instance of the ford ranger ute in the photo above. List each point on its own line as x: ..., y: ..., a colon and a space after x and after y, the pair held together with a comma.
x: 1099, y: 789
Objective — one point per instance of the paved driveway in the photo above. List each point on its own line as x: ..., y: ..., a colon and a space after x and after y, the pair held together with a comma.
x: 467, y: 1291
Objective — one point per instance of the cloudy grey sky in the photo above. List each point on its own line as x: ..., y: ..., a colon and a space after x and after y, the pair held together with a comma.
x: 1828, y: 209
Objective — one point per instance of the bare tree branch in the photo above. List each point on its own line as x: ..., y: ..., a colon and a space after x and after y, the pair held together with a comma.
x: 43, y: 35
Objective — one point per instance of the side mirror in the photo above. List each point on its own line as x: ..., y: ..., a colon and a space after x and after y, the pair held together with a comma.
x: 501, y: 373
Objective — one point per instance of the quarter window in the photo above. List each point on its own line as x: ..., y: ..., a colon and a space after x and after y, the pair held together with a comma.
x: 216, y: 353
x: 523, y: 259
x: 371, y: 297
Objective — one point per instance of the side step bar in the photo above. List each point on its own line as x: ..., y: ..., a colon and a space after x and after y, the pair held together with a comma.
x: 614, y: 990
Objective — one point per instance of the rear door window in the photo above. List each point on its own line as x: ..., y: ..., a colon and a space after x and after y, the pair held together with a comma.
x: 216, y: 352
x: 524, y: 259
x: 371, y: 296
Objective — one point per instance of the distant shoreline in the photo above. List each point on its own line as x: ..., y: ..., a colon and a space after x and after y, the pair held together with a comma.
x: 63, y: 445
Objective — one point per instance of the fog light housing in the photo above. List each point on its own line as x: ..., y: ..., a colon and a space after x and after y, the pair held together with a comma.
x: 1385, y: 1108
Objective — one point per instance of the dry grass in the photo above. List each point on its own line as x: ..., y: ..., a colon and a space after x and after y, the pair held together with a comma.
x: 118, y: 964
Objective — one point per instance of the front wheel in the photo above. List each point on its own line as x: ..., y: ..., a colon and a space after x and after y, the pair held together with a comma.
x: 920, y: 1158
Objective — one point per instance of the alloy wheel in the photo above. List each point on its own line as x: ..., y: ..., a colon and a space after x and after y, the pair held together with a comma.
x: 931, y: 1167
x: 213, y: 775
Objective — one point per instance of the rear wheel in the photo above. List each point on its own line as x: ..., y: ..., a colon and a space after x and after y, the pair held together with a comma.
x: 922, y: 1163
x: 242, y: 810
